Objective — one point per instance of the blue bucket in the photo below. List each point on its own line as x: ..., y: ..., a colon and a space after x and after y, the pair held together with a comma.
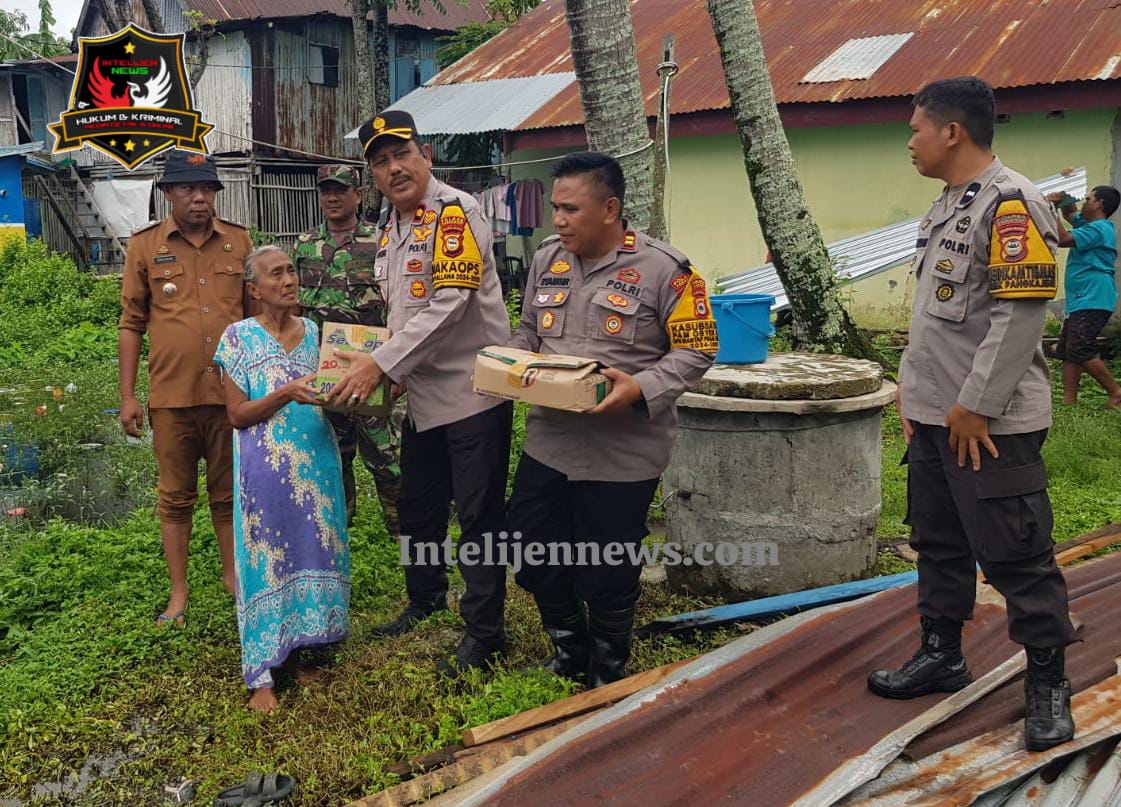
x: 743, y: 324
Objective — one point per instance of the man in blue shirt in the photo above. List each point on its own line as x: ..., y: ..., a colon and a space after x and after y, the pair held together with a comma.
x: 1091, y: 291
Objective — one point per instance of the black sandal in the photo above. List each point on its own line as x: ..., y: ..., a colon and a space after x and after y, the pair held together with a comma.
x: 257, y: 791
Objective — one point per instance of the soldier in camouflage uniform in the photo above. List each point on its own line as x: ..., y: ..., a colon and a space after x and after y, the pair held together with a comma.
x: 335, y: 265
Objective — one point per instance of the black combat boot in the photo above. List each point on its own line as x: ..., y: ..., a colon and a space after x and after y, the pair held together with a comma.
x: 1047, y: 718
x: 566, y: 624
x: 610, y: 633
x: 414, y: 614
x: 472, y: 654
x: 938, y: 666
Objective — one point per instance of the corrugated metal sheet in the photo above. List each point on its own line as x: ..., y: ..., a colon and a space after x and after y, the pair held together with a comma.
x: 765, y: 724
x: 857, y: 58
x: 862, y: 256
x: 225, y: 96
x: 1009, y: 43
x: 481, y: 106
x: 1090, y: 779
x: 453, y: 15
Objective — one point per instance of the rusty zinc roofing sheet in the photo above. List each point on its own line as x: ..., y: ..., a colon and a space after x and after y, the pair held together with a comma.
x: 453, y: 16
x: 768, y: 725
x: 1009, y: 43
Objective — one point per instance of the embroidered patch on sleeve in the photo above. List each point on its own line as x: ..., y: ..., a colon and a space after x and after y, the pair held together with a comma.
x: 1021, y: 266
x: 691, y: 325
x: 458, y: 262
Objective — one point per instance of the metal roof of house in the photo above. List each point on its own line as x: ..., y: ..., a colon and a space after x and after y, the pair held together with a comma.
x: 867, y: 254
x: 481, y: 106
x: 767, y: 719
x: 453, y: 16
x: 1009, y: 43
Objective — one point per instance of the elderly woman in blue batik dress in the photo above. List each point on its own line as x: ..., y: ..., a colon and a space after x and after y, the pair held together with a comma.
x: 290, y: 541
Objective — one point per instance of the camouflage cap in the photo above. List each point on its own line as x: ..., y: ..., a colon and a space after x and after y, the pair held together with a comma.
x: 343, y: 174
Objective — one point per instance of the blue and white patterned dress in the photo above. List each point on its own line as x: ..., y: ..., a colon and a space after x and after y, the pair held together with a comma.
x: 290, y: 542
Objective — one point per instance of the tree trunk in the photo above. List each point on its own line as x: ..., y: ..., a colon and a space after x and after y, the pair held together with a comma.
x: 155, y: 19
x: 603, y: 52
x: 364, y: 77
x: 798, y: 251
x: 381, y: 54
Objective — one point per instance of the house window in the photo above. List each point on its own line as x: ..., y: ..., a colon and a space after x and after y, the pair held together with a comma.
x: 323, y: 65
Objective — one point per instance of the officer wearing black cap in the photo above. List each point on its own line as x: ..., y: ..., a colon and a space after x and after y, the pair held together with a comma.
x: 182, y: 286
x: 436, y: 268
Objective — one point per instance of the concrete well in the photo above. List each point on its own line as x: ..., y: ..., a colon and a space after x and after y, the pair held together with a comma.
x: 780, y: 461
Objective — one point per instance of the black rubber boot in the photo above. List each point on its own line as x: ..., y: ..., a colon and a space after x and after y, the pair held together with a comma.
x: 610, y: 633
x: 1047, y: 718
x: 566, y: 624
x: 471, y: 654
x: 414, y: 614
x: 938, y: 666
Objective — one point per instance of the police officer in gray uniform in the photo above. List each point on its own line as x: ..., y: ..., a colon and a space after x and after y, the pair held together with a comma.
x: 975, y: 401
x: 436, y: 268
x: 602, y: 290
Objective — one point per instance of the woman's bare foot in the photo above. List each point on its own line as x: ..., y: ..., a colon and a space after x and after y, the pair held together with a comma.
x: 229, y: 580
x: 263, y: 700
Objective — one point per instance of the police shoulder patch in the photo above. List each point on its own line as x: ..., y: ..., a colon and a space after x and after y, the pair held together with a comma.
x: 458, y: 261
x: 552, y: 239
x: 691, y: 325
x: 1021, y: 265
x: 677, y: 255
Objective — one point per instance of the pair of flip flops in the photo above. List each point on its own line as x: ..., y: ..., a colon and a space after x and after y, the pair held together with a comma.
x: 257, y: 791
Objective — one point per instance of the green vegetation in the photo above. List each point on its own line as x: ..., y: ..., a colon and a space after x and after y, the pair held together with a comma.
x: 88, y: 683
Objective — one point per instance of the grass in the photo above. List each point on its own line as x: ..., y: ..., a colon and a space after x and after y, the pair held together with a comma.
x: 1082, y: 453
x: 87, y: 683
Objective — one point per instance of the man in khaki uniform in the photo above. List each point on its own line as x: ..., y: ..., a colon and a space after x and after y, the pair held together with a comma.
x: 603, y: 290
x: 183, y: 285
x: 436, y: 268
x: 975, y: 400
x: 335, y: 264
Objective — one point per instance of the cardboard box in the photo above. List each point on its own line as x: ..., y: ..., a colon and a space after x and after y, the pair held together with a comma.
x: 571, y: 383
x: 339, y: 336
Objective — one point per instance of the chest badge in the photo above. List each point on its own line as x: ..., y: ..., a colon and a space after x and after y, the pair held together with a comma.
x: 629, y: 275
x: 945, y: 265
x: 429, y: 216
x: 613, y: 324
x: 548, y: 319
x: 559, y: 297
x: 227, y: 248
x: 560, y: 267
x: 421, y: 234
x: 169, y: 289
x: 618, y: 300
x: 163, y: 250
x: 418, y: 290
x: 963, y: 224
x: 414, y: 266
x: 945, y: 292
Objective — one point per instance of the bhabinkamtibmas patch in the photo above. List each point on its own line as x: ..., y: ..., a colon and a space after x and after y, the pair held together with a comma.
x: 690, y: 325
x: 1021, y: 266
x: 458, y: 262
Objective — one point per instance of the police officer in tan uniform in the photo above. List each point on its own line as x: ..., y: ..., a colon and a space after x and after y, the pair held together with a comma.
x: 602, y: 290
x: 975, y: 400
x: 182, y: 285
x: 436, y: 268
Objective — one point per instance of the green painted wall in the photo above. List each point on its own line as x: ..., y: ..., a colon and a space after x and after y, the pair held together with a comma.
x: 856, y: 178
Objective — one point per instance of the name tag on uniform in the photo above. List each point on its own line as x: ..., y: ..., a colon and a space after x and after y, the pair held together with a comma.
x: 165, y: 259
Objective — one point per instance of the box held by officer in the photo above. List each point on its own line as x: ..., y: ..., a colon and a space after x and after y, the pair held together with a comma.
x: 342, y: 337
x: 571, y: 383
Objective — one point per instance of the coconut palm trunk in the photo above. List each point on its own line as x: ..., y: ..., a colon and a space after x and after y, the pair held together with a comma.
x: 789, y: 229
x: 603, y: 52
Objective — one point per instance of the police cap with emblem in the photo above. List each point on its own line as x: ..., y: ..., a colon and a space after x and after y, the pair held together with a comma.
x: 188, y: 167
x: 390, y: 123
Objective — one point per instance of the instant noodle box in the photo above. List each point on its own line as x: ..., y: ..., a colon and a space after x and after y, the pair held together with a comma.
x: 342, y: 337
x: 571, y: 383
